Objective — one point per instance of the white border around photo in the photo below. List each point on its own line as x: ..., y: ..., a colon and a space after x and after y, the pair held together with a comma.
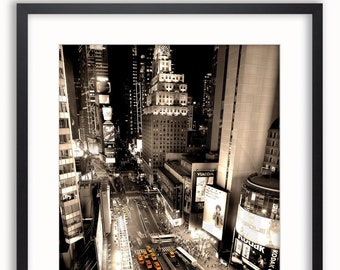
x: 292, y: 32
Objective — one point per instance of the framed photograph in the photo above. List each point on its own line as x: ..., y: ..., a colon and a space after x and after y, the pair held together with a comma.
x: 206, y: 153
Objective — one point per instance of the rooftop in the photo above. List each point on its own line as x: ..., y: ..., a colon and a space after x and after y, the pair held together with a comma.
x: 172, y: 178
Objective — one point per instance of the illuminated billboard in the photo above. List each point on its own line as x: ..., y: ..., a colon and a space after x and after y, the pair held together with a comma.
x: 99, y: 241
x: 110, y: 155
x: 109, y: 151
x: 214, y: 210
x: 78, y: 148
x: 187, y: 197
x: 256, y: 241
x: 103, y: 86
x: 139, y: 145
x: 103, y: 99
x: 107, y: 113
x: 108, y: 131
x: 110, y: 160
x: 253, y: 254
x: 93, y: 147
x: 261, y: 230
x: 203, y: 178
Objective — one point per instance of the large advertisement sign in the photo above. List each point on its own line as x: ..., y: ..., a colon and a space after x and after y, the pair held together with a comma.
x: 110, y: 153
x: 261, y: 230
x: 110, y: 160
x: 214, y: 210
x: 187, y: 197
x: 108, y: 132
x: 78, y: 148
x: 107, y: 113
x: 103, y: 99
x: 103, y: 86
x: 99, y: 241
x: 93, y: 148
x: 203, y: 178
x: 139, y: 145
x: 256, y: 256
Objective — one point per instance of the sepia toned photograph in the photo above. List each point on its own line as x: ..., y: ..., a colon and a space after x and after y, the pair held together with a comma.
x: 169, y: 157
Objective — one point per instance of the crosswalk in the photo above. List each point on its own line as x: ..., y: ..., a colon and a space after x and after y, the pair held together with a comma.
x: 166, y: 249
x: 139, y: 251
x: 141, y: 235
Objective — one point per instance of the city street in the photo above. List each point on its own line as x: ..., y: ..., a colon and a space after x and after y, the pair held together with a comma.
x: 138, y: 215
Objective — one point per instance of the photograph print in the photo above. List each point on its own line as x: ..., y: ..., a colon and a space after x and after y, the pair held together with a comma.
x: 169, y: 157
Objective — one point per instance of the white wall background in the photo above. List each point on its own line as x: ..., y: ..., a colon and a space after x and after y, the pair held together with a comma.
x: 8, y: 135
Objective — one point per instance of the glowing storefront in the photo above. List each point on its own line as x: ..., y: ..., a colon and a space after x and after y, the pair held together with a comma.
x: 256, y: 241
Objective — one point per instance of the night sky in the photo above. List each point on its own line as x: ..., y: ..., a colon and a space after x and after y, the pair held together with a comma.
x: 194, y: 61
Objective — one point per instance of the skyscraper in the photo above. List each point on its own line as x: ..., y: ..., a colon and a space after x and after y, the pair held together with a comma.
x: 218, y: 88
x: 141, y: 79
x: 251, y: 100
x: 134, y: 97
x: 69, y: 202
x: 207, y: 102
x: 165, y: 120
x: 271, y: 160
x: 94, y: 85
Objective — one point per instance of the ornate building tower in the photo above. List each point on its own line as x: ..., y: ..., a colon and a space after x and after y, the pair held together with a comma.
x: 165, y: 120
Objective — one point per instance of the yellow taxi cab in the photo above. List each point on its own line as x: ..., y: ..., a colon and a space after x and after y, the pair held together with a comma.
x: 149, y: 249
x: 145, y: 255
x: 148, y: 264
x: 153, y: 256
x: 140, y: 259
x: 172, y: 254
x: 157, y: 265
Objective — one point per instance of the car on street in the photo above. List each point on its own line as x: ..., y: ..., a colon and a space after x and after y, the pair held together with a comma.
x: 157, y: 265
x: 149, y: 249
x: 148, y: 264
x: 153, y: 256
x: 145, y: 254
x: 140, y: 259
x: 171, y: 254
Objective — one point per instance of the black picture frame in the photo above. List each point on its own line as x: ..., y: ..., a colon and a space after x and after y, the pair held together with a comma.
x: 24, y: 10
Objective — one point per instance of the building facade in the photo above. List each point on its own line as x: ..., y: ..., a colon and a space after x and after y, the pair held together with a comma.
x: 207, y: 102
x: 69, y: 201
x: 217, y: 94
x: 95, y: 88
x: 141, y: 79
x: 191, y: 175
x: 258, y: 247
x: 251, y: 104
x: 271, y: 162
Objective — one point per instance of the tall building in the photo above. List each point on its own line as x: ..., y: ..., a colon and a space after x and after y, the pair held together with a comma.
x: 217, y: 93
x: 95, y: 87
x: 271, y: 162
x: 258, y: 247
x: 207, y: 102
x: 165, y: 117
x: 251, y: 104
x: 141, y: 79
x: 134, y: 97
x: 69, y: 202
x: 190, y: 114
x: 259, y: 203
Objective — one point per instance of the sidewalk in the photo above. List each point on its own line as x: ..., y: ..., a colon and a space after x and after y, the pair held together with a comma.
x: 200, y: 249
